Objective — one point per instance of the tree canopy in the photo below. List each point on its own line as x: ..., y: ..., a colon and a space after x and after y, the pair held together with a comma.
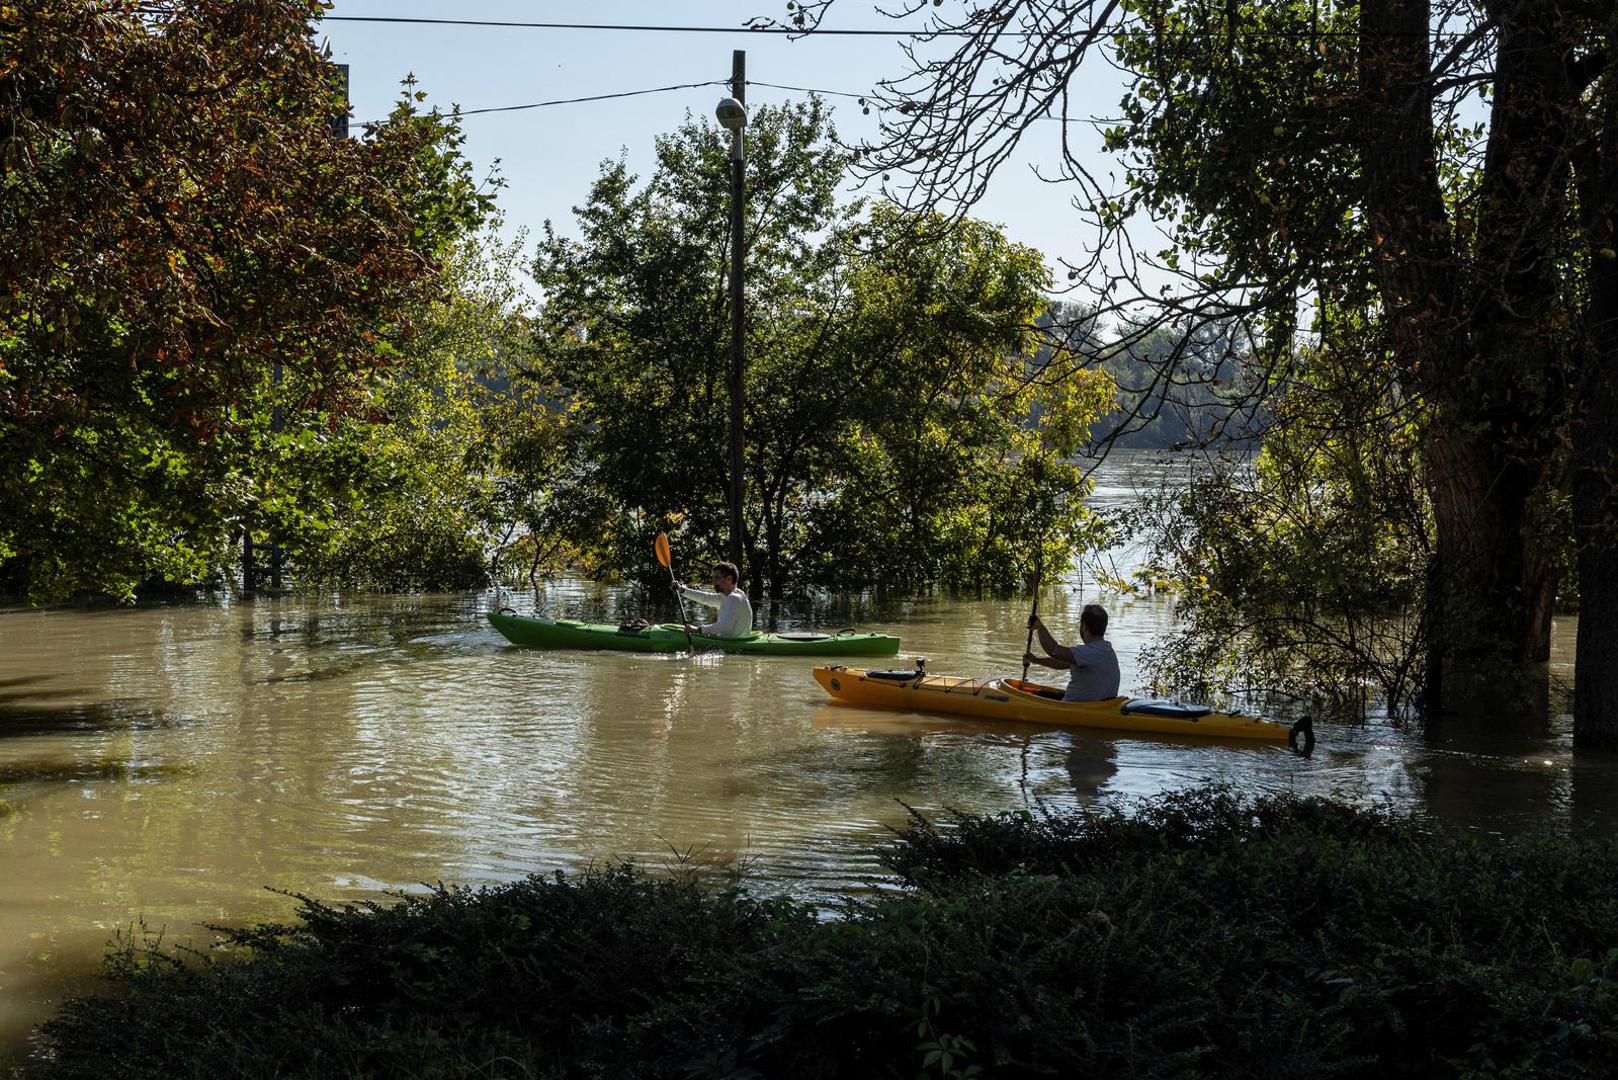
x: 891, y: 433
x: 186, y: 252
x: 1442, y: 176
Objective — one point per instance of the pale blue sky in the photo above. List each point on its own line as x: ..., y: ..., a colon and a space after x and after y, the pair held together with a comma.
x: 549, y: 156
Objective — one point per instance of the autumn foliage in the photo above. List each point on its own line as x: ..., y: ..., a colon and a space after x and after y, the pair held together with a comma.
x: 176, y: 219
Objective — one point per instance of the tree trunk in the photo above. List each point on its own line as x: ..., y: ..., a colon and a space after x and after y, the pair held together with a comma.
x: 1595, y: 678
x: 770, y: 565
x: 777, y: 570
x: 1595, y: 417
x: 1496, y: 589
x: 249, y: 565
x: 1595, y: 455
x: 1474, y: 332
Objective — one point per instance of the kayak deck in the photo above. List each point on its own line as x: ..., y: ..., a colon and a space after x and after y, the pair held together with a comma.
x: 537, y: 633
x: 1035, y: 703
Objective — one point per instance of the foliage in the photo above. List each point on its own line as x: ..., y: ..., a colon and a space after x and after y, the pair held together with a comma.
x: 424, y: 503
x: 1446, y: 175
x: 1203, y: 934
x: 1281, y: 170
x: 1302, y: 571
x: 888, y: 405
x: 184, y: 250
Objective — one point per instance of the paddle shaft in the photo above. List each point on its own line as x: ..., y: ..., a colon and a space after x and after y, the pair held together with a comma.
x: 1039, y: 574
x: 665, y: 555
x: 685, y: 623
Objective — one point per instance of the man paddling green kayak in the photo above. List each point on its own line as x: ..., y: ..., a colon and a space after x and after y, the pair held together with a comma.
x: 735, y: 611
x: 731, y: 632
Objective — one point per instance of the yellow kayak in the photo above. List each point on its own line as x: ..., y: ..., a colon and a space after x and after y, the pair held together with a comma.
x: 1035, y: 703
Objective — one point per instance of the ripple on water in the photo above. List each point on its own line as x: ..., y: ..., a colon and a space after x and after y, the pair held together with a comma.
x: 342, y: 746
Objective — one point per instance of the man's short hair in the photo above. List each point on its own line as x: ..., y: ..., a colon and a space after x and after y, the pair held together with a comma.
x: 729, y: 570
x: 1094, y: 619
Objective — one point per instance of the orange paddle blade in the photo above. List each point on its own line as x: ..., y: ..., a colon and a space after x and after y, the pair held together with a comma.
x: 662, y: 549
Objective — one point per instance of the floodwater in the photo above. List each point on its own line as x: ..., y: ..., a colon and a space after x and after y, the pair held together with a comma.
x: 165, y: 767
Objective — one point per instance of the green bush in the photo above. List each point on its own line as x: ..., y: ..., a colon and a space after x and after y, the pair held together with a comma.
x: 1204, y: 934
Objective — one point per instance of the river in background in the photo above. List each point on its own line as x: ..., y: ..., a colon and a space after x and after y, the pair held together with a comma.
x: 161, y: 766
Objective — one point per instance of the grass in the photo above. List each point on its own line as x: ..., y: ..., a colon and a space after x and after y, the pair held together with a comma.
x: 1200, y: 934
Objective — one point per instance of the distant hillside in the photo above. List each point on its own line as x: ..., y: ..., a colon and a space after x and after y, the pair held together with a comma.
x: 1172, y: 390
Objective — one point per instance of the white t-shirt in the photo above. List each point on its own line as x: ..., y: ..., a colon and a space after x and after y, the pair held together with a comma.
x: 735, y: 613
x: 1094, y: 675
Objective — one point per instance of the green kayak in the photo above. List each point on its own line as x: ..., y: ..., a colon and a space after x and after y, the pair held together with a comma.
x: 668, y: 637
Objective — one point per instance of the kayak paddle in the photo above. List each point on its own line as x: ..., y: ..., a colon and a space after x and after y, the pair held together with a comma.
x: 661, y: 546
x: 1039, y: 574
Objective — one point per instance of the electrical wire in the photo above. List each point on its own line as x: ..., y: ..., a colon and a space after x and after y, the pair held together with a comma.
x: 573, y: 100
x: 1311, y: 33
x: 808, y: 90
x: 920, y: 32
x: 644, y: 28
x: 870, y: 98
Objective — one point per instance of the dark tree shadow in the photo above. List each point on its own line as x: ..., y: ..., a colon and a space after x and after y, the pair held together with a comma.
x: 28, y: 713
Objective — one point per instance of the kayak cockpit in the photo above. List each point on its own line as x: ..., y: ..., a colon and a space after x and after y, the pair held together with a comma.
x: 1174, y: 710
x: 1051, y: 693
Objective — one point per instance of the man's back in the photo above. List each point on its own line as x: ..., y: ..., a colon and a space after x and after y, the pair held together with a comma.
x: 1094, y: 675
x: 735, y: 612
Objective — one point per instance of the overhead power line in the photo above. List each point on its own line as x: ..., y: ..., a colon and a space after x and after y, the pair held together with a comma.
x: 595, y: 97
x: 807, y: 90
x: 634, y: 93
x: 1312, y: 32
x: 510, y: 24
x: 577, y: 100
x: 1302, y: 31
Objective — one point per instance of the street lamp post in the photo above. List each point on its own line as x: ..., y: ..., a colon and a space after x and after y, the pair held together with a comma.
x: 732, y: 113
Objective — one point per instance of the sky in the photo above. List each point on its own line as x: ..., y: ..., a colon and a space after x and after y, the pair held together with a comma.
x: 549, y: 156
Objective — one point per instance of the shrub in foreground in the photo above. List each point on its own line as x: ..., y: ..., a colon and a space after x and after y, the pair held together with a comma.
x: 1201, y: 934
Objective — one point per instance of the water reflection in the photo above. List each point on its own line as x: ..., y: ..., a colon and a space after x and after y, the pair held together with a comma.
x: 167, y: 763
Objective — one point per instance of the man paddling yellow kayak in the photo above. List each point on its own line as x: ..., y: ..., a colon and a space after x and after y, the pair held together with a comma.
x: 1092, y: 666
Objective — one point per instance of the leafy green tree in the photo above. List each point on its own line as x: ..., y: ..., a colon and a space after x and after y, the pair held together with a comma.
x: 1302, y: 571
x: 888, y: 409
x: 423, y: 505
x: 952, y: 462
x: 1448, y: 176
x: 185, y: 251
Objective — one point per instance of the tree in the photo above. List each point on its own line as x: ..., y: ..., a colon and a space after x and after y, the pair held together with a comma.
x: 1303, y: 569
x: 887, y: 392
x: 423, y: 501
x: 1447, y: 175
x: 177, y: 226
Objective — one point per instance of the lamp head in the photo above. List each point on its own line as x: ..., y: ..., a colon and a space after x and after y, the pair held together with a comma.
x: 732, y: 114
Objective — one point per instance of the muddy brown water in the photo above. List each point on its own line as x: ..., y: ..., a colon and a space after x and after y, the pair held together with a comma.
x: 161, y: 767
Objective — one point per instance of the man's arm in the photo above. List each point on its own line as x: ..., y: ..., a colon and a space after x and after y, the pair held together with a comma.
x: 711, y: 599
x: 1045, y: 661
x: 1052, y: 647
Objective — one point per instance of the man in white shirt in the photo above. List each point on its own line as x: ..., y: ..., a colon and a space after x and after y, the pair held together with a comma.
x: 735, y: 613
x: 1092, y: 666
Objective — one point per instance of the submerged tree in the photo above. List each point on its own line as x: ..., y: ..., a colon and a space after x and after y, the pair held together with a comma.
x: 1447, y: 175
x: 426, y: 500
x: 1303, y: 570
x: 888, y: 410
x: 185, y: 249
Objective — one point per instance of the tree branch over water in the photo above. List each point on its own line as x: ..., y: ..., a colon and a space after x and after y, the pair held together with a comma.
x: 1440, y: 179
